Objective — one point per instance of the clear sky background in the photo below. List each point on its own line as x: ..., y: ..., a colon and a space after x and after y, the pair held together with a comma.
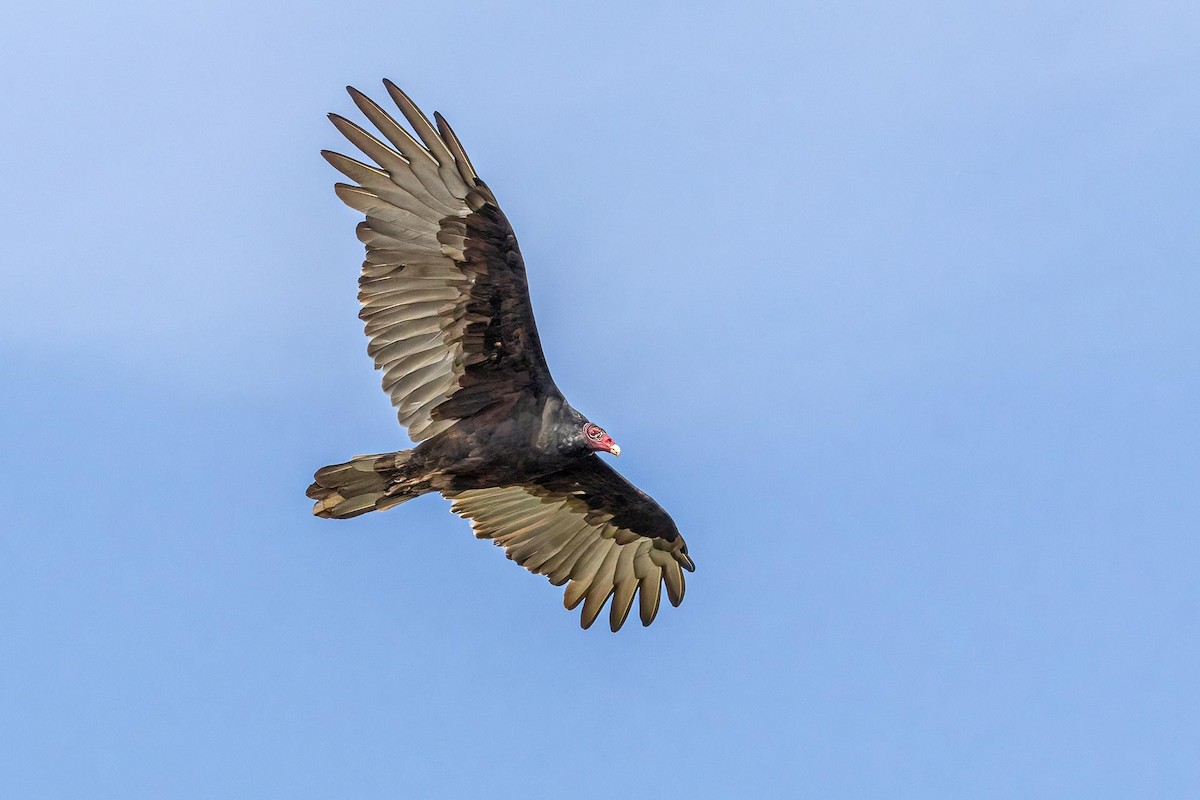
x: 892, y: 305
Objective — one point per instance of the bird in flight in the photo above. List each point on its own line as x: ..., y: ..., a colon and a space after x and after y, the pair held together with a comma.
x: 446, y: 306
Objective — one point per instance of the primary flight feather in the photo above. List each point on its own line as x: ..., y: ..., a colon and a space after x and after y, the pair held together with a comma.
x: 446, y: 306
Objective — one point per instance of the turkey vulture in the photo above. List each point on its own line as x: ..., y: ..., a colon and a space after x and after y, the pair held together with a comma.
x: 446, y: 306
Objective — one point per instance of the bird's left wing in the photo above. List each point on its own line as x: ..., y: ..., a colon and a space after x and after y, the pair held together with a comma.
x: 587, y: 525
x: 443, y: 288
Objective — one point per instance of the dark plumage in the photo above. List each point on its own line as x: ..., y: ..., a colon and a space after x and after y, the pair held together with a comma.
x: 447, y: 312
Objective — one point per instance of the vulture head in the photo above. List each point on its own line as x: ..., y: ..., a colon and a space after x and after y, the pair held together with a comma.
x: 572, y: 434
x: 596, y: 439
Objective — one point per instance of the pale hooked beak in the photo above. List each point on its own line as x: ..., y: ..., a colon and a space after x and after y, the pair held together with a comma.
x: 615, y: 449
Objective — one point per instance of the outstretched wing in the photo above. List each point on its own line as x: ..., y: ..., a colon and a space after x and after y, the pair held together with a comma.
x: 443, y: 289
x: 587, y: 525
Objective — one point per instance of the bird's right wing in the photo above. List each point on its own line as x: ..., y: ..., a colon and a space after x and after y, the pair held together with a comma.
x: 443, y: 289
x: 587, y: 525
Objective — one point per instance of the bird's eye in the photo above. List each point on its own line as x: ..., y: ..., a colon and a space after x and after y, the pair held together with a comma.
x: 594, y: 433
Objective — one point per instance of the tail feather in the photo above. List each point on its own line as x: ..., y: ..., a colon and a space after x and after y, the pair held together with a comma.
x: 362, y: 484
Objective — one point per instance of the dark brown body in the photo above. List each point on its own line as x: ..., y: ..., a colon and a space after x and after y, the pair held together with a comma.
x: 504, y: 444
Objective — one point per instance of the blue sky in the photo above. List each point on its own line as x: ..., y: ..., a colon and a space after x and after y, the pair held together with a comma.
x: 893, y: 306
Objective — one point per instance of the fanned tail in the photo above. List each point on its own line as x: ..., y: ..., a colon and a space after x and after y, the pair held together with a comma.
x: 364, y: 483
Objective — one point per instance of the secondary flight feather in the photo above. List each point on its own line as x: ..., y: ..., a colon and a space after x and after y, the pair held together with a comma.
x: 446, y: 306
